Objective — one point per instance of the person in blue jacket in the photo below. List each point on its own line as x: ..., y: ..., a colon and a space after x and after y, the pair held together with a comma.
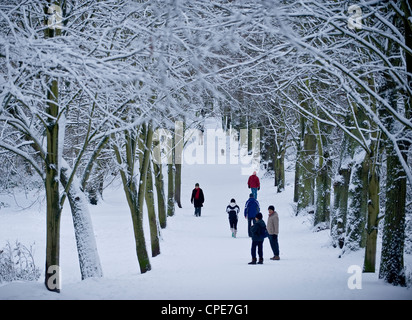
x: 251, y: 209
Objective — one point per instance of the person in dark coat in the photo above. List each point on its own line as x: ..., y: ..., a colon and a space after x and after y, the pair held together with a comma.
x: 197, y: 199
x: 233, y: 210
x: 258, y: 231
x: 251, y: 209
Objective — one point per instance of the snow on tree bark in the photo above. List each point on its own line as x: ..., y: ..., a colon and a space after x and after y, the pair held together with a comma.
x: 135, y: 190
x: 89, y: 260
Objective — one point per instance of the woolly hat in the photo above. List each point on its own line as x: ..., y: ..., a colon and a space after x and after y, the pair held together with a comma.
x: 271, y: 208
x: 259, y: 216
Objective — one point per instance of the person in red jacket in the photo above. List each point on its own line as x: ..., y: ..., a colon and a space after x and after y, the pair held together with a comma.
x: 254, y: 184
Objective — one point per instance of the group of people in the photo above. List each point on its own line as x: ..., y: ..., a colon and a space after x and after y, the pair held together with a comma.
x: 258, y: 230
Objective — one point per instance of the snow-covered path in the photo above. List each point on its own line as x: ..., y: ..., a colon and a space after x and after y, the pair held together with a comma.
x: 199, y: 259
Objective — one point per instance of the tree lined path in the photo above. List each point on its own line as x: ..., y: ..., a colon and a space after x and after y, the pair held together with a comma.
x: 90, y: 90
x: 200, y: 260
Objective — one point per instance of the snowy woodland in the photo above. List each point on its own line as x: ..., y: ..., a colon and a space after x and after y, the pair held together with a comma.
x: 94, y: 93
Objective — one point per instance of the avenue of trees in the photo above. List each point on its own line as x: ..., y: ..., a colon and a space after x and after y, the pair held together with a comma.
x: 90, y: 89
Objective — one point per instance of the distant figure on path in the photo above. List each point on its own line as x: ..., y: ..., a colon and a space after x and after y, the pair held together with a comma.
x: 258, y: 236
x: 254, y: 184
x: 197, y: 199
x: 233, y: 210
x: 251, y: 209
x: 273, y: 231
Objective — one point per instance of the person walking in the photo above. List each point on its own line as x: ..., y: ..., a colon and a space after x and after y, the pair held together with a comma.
x: 197, y: 199
x: 251, y: 209
x: 233, y: 210
x: 254, y: 184
x: 258, y: 236
x: 273, y: 231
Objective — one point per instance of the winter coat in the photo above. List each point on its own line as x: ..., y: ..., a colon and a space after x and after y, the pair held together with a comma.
x: 233, y: 210
x: 197, y: 202
x: 251, y: 208
x: 273, y: 223
x: 258, y: 230
x: 253, y: 181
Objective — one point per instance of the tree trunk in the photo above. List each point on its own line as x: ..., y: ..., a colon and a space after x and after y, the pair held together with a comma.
x: 279, y: 159
x: 307, y: 172
x: 52, y: 281
x: 170, y: 190
x: 392, y: 265
x: 171, y: 181
x: 143, y: 257
x: 85, y: 240
x: 357, y: 205
x: 268, y: 153
x: 297, y: 175
x: 136, y: 208
x: 323, y: 191
x: 95, y: 189
x: 52, y: 278
x: 178, y: 184
x: 393, y: 240
x: 299, y: 146
x: 135, y: 192
x: 154, y: 233
x: 341, y: 190
x: 340, y: 206
x: 161, y: 205
x: 323, y: 180
x: 178, y: 152
x: 373, y: 212
x: 280, y: 171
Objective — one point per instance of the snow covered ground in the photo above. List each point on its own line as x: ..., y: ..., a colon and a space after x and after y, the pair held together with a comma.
x: 199, y: 259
